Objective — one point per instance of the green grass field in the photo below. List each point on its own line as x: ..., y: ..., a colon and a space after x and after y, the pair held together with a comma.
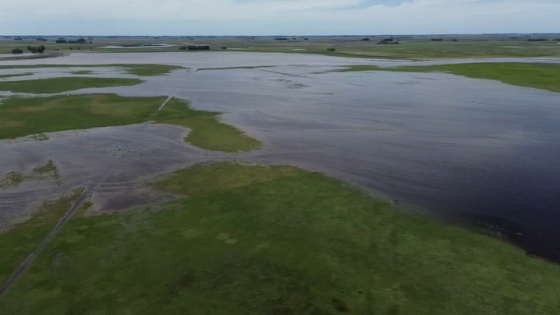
x: 417, y: 48
x: 135, y: 69
x: 207, y: 131
x: 540, y: 76
x: 22, y: 240
x: 274, y: 240
x: 26, y: 116
x: 57, y: 85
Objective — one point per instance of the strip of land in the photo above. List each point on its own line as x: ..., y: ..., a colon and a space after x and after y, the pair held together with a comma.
x: 58, y: 85
x: 3, y: 76
x: 207, y: 131
x: 135, y: 69
x: 536, y: 75
x: 25, y: 116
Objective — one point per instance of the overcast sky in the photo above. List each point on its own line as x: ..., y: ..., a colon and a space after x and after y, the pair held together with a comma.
x: 274, y: 17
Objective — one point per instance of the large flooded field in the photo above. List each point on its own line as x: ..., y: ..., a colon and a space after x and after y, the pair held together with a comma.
x: 475, y: 152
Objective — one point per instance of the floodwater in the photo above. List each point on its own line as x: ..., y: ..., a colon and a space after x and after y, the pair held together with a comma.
x: 475, y: 152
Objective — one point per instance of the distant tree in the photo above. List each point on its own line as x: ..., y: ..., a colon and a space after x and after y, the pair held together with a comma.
x: 198, y: 47
x: 331, y: 49
x: 17, y: 51
x: 365, y: 39
x: 81, y: 40
x: 224, y: 47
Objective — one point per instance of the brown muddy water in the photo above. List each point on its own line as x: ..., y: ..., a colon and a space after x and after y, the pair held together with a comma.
x: 475, y: 152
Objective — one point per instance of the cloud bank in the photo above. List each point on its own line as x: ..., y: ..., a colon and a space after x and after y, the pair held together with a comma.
x: 270, y: 17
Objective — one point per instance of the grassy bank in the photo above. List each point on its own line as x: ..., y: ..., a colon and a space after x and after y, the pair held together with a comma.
x: 540, y: 76
x: 3, y: 76
x: 26, y: 116
x: 58, y: 85
x: 277, y: 240
x: 234, y: 68
x: 207, y: 131
x: 82, y: 72
x: 136, y: 69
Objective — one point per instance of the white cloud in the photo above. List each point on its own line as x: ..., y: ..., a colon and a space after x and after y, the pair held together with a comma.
x: 278, y: 16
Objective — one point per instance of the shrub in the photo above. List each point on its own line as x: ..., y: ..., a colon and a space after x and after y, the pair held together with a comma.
x: 17, y: 51
x: 198, y: 47
x: 224, y: 47
x: 331, y: 49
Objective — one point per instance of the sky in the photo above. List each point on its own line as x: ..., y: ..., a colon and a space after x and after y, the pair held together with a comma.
x: 277, y: 17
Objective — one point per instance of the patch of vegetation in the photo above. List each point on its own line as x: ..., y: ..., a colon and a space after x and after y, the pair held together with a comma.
x: 57, y: 85
x: 12, y: 179
x: 277, y: 241
x: 49, y: 169
x: 40, y: 137
x: 41, y: 172
x: 14, y: 75
x: 207, y: 131
x: 150, y: 70
x: 82, y: 72
x: 80, y: 213
x: 20, y: 241
x: 541, y: 76
x: 136, y: 69
x: 359, y: 68
x: 215, y: 177
x: 234, y: 68
x: 24, y: 116
x: 195, y: 47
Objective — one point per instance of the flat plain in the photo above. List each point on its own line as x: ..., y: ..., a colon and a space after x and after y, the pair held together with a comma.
x: 280, y: 183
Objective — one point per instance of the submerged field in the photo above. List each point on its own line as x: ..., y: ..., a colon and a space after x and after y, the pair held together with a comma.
x: 257, y: 237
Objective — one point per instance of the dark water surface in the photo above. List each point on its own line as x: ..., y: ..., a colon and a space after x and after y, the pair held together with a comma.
x: 476, y: 152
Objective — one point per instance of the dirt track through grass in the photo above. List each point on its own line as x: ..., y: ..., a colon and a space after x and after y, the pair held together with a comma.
x: 29, y: 260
